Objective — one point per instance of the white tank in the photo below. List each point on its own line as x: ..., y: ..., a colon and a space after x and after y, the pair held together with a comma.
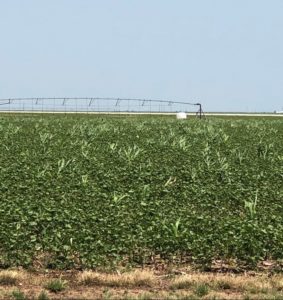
x: 181, y: 115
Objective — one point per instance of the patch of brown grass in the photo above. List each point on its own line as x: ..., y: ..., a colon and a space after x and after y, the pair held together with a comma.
x: 277, y: 282
x: 226, y: 282
x: 182, y: 282
x: 11, y: 277
x: 131, y: 279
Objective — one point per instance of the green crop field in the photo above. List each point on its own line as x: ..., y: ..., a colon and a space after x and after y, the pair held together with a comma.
x: 88, y: 191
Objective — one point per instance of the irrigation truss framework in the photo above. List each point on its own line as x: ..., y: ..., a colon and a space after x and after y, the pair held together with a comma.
x: 98, y: 105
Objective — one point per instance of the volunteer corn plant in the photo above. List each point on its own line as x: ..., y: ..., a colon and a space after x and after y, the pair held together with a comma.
x: 86, y: 191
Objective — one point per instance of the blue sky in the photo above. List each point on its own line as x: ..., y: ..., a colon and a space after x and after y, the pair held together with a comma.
x: 226, y: 54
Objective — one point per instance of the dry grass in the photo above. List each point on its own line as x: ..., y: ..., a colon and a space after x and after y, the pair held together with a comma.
x: 277, y: 282
x: 228, y: 283
x: 141, y: 284
x: 11, y: 277
x: 133, y: 279
x: 182, y: 282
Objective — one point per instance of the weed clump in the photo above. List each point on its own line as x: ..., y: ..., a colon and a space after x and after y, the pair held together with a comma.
x: 201, y: 290
x: 18, y: 295
x: 43, y: 296
x: 56, y: 285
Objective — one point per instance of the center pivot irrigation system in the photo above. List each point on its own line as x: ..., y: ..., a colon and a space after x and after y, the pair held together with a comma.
x: 98, y: 105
